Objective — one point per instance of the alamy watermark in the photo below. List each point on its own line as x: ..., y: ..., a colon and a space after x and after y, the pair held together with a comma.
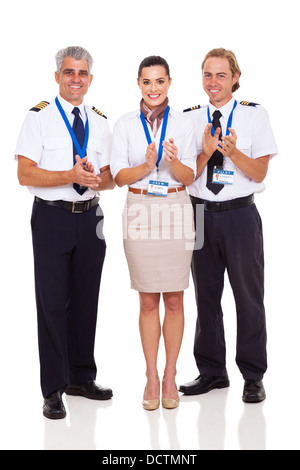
x: 161, y: 221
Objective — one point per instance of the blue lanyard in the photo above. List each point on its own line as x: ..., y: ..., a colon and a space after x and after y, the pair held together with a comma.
x: 81, y: 151
x: 229, y: 122
x: 163, y: 133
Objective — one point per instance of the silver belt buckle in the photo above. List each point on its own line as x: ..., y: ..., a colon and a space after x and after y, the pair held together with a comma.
x: 74, y: 211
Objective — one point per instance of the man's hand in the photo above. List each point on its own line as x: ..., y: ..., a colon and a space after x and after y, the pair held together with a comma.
x: 228, y: 144
x: 89, y: 167
x: 210, y: 143
x: 84, y: 173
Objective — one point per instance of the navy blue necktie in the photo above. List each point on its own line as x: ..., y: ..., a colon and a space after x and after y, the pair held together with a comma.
x: 216, y: 159
x: 78, y: 129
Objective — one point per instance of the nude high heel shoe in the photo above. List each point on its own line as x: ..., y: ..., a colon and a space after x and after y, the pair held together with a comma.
x: 170, y: 403
x: 150, y: 405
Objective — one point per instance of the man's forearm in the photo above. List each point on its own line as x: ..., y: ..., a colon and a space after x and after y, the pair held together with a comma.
x: 30, y: 175
x: 255, y: 169
x: 202, y: 160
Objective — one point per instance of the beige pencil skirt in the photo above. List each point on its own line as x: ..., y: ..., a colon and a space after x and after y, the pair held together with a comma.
x: 159, y: 239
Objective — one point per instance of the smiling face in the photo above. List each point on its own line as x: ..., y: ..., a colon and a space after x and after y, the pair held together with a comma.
x: 74, y: 80
x: 218, y: 80
x: 154, y: 84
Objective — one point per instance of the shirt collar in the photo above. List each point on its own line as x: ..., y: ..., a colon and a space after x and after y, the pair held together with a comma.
x: 225, y: 110
x: 68, y: 107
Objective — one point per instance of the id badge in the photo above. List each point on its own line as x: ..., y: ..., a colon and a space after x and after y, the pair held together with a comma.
x: 158, y: 188
x: 222, y: 176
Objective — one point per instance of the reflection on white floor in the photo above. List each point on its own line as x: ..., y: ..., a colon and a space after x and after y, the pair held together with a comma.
x: 218, y: 420
x: 215, y: 421
x: 87, y: 429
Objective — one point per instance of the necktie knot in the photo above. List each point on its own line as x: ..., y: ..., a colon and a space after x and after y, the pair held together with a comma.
x: 217, y: 114
x: 76, y: 111
x: 216, y: 121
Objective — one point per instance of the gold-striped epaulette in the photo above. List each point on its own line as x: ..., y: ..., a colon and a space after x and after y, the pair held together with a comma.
x: 98, y: 112
x: 248, y: 103
x: 40, y: 106
x: 192, y: 108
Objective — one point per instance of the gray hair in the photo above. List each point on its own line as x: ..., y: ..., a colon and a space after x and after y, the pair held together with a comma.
x: 77, y: 53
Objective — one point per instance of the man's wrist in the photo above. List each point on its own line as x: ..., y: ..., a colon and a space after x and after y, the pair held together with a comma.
x: 70, y: 176
x: 235, y: 155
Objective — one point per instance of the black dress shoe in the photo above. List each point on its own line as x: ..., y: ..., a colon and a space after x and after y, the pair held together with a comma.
x: 254, y: 391
x: 90, y: 390
x: 204, y: 383
x: 53, y: 406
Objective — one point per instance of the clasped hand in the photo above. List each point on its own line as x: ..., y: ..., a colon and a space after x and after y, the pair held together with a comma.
x: 171, y: 152
x: 227, y: 144
x: 84, y: 173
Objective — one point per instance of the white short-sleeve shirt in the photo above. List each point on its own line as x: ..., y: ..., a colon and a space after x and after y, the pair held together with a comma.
x: 45, y: 139
x: 254, y: 138
x: 130, y: 143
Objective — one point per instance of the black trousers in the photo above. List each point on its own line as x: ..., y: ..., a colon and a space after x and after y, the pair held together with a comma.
x: 68, y: 261
x: 233, y: 240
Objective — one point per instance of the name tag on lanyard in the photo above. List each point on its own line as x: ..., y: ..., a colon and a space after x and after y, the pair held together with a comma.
x: 158, y: 188
x: 222, y: 176
x: 81, y: 151
x: 155, y: 187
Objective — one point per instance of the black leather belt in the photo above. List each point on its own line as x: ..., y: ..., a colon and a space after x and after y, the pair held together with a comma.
x: 212, y: 206
x: 75, y: 207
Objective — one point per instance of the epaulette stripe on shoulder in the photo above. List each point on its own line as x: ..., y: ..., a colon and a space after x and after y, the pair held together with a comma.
x: 98, y: 112
x: 40, y: 106
x: 248, y: 103
x: 192, y: 109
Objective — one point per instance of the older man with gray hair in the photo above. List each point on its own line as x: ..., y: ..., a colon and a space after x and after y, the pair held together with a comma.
x: 63, y: 155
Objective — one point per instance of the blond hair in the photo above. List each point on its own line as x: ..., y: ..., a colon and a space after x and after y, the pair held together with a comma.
x: 230, y: 56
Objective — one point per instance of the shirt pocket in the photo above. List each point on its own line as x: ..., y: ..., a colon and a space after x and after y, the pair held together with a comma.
x: 244, y: 144
x: 94, y: 152
x: 57, y: 153
x: 55, y: 143
x: 94, y: 145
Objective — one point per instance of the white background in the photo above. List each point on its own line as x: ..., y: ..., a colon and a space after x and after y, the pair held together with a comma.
x: 119, y: 34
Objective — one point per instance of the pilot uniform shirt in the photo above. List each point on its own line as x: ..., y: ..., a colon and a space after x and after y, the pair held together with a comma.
x: 130, y: 144
x: 254, y: 138
x: 45, y: 139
